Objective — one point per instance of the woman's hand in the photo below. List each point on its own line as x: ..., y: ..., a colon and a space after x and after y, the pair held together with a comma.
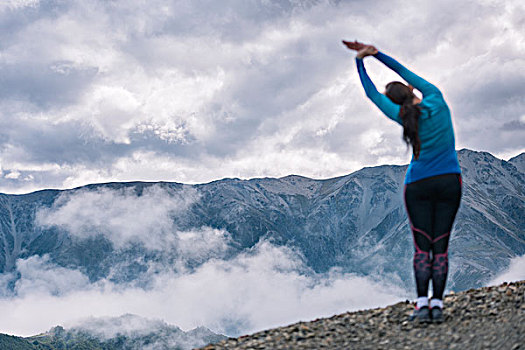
x: 354, y: 45
x: 363, y: 50
x: 366, y: 51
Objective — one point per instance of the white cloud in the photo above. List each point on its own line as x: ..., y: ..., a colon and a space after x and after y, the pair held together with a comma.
x: 16, y: 4
x: 149, y: 219
x: 515, y: 272
x: 41, y: 276
x: 265, y: 287
x: 122, y: 216
x: 199, y: 244
x: 13, y: 175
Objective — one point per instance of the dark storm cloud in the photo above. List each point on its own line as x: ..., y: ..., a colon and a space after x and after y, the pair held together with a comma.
x: 45, y: 85
x: 74, y: 143
x: 514, y: 125
x: 62, y: 143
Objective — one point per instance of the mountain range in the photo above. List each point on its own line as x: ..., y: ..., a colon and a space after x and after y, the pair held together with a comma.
x: 355, y: 223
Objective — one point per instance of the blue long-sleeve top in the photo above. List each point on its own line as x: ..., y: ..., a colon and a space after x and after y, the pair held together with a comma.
x: 438, y: 154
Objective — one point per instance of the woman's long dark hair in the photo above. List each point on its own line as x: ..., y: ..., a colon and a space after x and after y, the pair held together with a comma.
x: 402, y: 95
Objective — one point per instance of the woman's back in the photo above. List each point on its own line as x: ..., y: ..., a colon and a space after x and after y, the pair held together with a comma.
x: 436, y: 134
x: 437, y: 153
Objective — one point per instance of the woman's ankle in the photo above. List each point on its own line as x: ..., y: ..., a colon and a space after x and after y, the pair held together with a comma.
x: 436, y: 302
x: 422, y: 302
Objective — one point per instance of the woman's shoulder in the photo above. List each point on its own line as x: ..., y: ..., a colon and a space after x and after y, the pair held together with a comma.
x: 434, y: 102
x: 434, y: 113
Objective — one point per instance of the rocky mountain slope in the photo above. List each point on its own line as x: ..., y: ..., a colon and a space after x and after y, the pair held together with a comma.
x: 485, y: 318
x: 356, y: 223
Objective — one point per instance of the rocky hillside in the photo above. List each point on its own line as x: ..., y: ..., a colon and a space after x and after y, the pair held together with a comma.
x: 485, y: 318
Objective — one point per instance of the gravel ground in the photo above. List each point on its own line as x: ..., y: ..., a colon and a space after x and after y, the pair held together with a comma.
x: 485, y: 318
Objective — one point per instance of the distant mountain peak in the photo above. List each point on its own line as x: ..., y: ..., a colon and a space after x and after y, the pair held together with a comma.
x: 520, y: 157
x: 469, y: 153
x: 519, y: 161
x: 293, y: 177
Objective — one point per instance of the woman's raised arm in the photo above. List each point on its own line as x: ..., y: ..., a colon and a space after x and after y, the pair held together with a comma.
x: 413, y: 79
x: 389, y: 108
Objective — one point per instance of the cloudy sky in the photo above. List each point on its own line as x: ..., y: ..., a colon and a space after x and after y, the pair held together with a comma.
x: 192, y: 91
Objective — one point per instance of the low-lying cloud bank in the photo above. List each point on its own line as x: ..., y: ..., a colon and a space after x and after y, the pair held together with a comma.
x: 515, y: 272
x: 264, y: 287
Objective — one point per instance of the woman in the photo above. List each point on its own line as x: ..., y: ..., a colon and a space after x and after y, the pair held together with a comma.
x: 433, y: 178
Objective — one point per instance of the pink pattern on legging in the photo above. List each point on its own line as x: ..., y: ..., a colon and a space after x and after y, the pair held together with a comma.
x: 422, y: 263
x: 440, y: 261
x: 440, y: 264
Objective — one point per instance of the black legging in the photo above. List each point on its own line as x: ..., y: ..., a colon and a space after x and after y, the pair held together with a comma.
x: 432, y: 205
